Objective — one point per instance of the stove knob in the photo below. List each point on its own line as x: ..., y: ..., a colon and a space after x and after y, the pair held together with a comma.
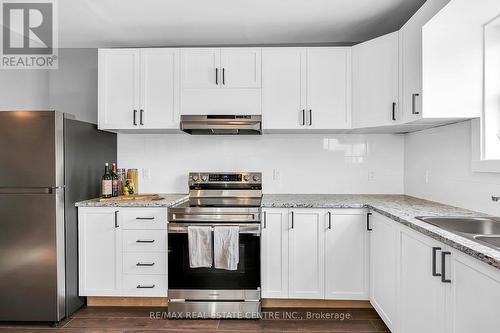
x: 246, y: 178
x: 255, y: 178
x: 204, y: 178
x: 195, y: 178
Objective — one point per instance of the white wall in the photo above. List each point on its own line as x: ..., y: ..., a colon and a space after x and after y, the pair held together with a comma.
x: 444, y: 153
x: 71, y: 88
x: 305, y: 163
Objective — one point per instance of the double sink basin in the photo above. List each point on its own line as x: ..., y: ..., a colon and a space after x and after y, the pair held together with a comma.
x: 484, y: 230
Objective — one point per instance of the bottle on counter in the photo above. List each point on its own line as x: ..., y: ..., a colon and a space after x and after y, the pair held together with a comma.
x: 107, y: 183
x: 115, y: 188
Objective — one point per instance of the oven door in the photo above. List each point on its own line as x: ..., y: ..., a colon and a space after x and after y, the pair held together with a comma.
x: 182, y: 277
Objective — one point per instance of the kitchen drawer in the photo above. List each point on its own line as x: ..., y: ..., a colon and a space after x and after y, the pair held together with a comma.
x: 144, y: 241
x: 145, y: 263
x: 143, y: 218
x: 145, y: 285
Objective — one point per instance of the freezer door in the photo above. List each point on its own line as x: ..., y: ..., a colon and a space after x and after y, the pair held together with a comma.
x: 31, y: 149
x: 32, y: 256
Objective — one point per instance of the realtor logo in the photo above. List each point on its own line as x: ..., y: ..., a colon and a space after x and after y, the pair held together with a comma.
x: 29, y: 34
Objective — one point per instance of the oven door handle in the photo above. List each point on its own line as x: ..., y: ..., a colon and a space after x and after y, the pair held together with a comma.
x: 245, y: 228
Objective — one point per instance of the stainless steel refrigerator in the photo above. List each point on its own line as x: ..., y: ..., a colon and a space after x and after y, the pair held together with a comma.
x: 48, y: 161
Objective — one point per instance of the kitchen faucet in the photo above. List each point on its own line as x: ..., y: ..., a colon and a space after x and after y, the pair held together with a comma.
x: 495, y: 198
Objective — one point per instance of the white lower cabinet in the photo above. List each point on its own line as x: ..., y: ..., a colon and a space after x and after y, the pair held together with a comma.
x: 422, y: 294
x: 413, y: 291
x: 119, y: 258
x: 384, y: 261
x: 314, y: 254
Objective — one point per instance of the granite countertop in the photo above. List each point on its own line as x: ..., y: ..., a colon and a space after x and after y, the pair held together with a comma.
x: 169, y: 199
x: 400, y: 208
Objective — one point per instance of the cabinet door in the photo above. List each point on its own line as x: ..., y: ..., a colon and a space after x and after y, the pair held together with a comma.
x: 200, y: 68
x: 241, y: 67
x: 283, y: 88
x: 328, y: 87
x: 159, y: 89
x: 346, y: 255
x: 422, y: 295
x: 306, y: 254
x: 100, y: 255
x: 474, y: 294
x: 274, y: 253
x: 384, y: 261
x: 411, y: 59
x: 118, y: 88
x: 375, y: 82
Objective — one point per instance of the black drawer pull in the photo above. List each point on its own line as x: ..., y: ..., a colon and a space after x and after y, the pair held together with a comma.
x: 151, y: 286
x: 145, y: 241
x: 147, y: 264
x: 368, y: 222
x: 144, y: 218
x: 443, y: 267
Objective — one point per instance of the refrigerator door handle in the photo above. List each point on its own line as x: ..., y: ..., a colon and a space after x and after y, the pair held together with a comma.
x: 30, y: 190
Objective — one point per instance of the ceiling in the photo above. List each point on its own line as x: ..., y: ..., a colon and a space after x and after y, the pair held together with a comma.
x: 113, y: 23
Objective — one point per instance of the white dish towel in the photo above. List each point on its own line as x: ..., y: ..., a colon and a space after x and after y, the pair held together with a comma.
x: 200, y: 246
x: 226, y: 247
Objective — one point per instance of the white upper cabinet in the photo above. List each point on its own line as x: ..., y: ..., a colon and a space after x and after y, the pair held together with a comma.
x: 284, y: 88
x: 454, y: 59
x: 221, y: 81
x: 306, y: 254
x: 346, y: 254
x: 306, y: 88
x: 241, y: 67
x: 375, y: 82
x: 411, y: 59
x: 138, y: 89
x: 328, y: 87
x: 159, y: 88
x: 274, y: 253
x: 119, y: 88
x: 200, y: 68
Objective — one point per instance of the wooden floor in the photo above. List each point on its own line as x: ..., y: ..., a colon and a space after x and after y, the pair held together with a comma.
x: 138, y: 320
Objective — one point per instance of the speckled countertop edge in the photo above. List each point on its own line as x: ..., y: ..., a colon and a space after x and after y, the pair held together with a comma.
x: 169, y: 199
x: 400, y: 208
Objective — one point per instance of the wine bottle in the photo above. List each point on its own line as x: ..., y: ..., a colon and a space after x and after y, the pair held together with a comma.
x: 114, y: 177
x: 107, y: 183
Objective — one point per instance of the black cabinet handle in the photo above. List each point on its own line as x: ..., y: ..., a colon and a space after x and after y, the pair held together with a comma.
x: 303, y: 117
x: 265, y: 220
x: 223, y: 76
x: 139, y: 286
x: 141, y: 114
x: 330, y: 220
x: 310, y: 117
x: 135, y: 117
x: 145, y: 241
x: 368, y: 221
x: 443, y: 267
x: 144, y: 218
x: 434, y: 253
x: 394, y: 111
x: 217, y: 76
x: 116, y: 219
x: 292, y: 219
x: 147, y: 264
x: 413, y: 103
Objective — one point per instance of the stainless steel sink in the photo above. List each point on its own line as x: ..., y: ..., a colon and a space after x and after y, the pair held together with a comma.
x: 482, y: 229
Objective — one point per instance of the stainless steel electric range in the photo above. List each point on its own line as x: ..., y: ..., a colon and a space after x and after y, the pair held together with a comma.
x: 216, y: 199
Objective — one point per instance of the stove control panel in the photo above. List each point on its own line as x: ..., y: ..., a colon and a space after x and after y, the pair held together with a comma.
x: 225, y: 177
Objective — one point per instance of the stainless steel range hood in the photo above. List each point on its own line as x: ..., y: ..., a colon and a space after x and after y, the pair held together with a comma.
x: 221, y: 124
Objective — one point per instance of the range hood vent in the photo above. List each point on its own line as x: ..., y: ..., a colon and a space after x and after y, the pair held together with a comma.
x: 221, y: 125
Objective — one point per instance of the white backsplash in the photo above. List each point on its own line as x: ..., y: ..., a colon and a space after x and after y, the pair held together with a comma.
x: 289, y: 163
x: 438, y: 168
